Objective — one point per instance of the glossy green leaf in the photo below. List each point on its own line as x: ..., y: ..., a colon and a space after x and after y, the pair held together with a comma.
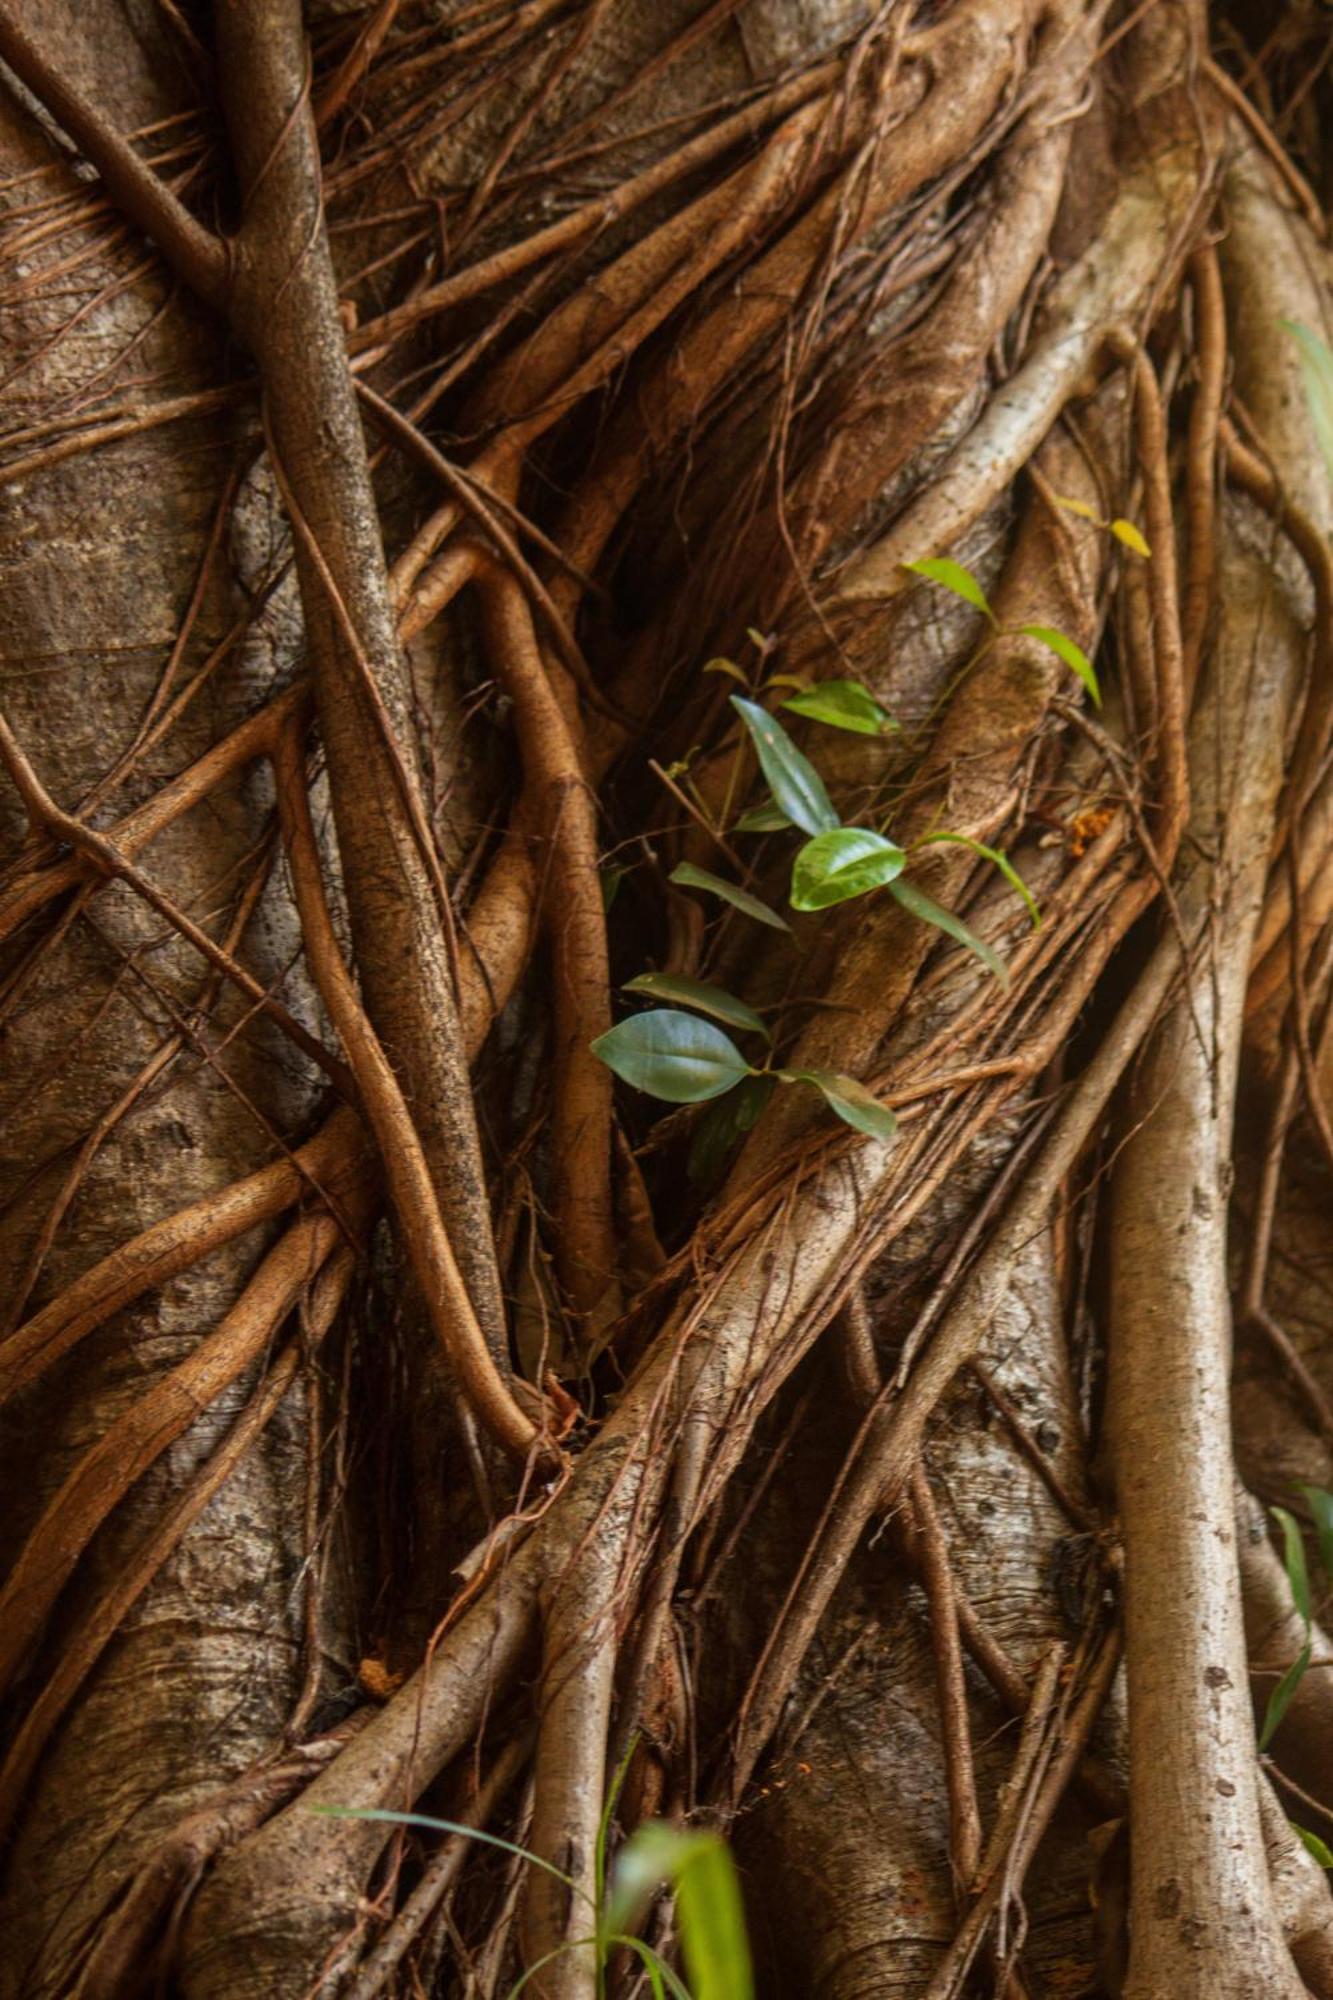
x: 1320, y: 1503
x: 793, y: 780
x: 1280, y: 1699
x: 672, y: 1055
x: 1001, y: 861
x: 1073, y: 656
x: 709, y: 1913
x: 1293, y: 1558
x: 720, y: 1128
x: 687, y: 876
x: 1132, y: 537
x: 918, y: 904
x: 845, y: 862
x: 697, y: 993
x: 952, y: 576
x: 1317, y: 367
x: 766, y: 818
x: 1312, y: 1844
x: 842, y: 705
x: 854, y: 1104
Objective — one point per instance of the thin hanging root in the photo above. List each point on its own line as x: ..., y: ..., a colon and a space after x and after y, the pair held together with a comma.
x: 331, y: 1167
x: 955, y: 1727
x: 406, y: 1173
x: 889, y: 1442
x: 1210, y: 341
x: 143, y: 1432
x: 80, y: 1650
x: 563, y: 813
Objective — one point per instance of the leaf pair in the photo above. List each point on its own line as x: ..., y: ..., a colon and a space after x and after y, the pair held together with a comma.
x: 684, y: 1060
x: 952, y: 576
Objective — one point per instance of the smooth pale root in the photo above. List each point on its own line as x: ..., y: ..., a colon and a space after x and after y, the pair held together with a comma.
x: 1317, y: 368
x: 796, y: 785
x: 952, y: 576
x: 687, y: 876
x: 918, y: 904
x: 672, y: 1055
x: 845, y: 862
x: 842, y: 705
x: 854, y: 1104
x: 697, y: 993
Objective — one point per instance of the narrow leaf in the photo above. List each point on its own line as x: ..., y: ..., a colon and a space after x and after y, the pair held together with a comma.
x: 952, y: 576
x: 1280, y: 1699
x: 1293, y: 1556
x: 1073, y: 656
x: 848, y: 861
x: 1079, y: 507
x: 920, y: 905
x: 1132, y: 537
x: 721, y: 666
x: 671, y: 1055
x: 1001, y: 861
x: 689, y: 877
x: 842, y: 705
x: 854, y: 1104
x: 611, y: 879
x: 763, y: 819
x: 451, y: 1826
x: 1317, y: 367
x: 1321, y: 1507
x: 1311, y: 1842
x: 709, y: 1912
x: 793, y: 780
x: 697, y: 993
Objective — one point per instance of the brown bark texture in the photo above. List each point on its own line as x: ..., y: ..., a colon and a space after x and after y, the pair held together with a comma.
x: 417, y: 419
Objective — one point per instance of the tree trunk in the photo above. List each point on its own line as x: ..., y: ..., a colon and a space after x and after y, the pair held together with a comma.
x: 417, y: 422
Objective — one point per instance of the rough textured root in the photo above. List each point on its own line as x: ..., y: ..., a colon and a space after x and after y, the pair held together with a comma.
x: 899, y: 302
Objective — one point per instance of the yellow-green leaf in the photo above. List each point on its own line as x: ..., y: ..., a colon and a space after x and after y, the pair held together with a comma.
x: 1132, y: 537
x: 1064, y: 649
x: 952, y: 576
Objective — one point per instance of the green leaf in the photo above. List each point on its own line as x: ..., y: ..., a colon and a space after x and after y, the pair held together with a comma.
x: 952, y: 575
x: 1001, y: 861
x: 721, y: 666
x: 1073, y: 656
x: 699, y: 994
x: 1321, y: 1507
x: 709, y: 1913
x: 721, y: 1126
x: 848, y: 861
x: 689, y: 877
x: 451, y: 1826
x: 1311, y: 1842
x: 1126, y: 532
x: 918, y: 904
x: 843, y: 705
x: 672, y: 1055
x: 1280, y: 1699
x: 793, y: 780
x: 611, y: 879
x: 854, y: 1104
x: 763, y: 819
x: 1317, y: 368
x: 1293, y: 1556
